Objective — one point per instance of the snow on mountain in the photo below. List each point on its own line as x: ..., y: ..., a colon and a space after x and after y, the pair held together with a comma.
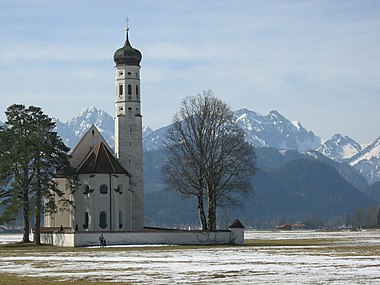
x: 155, y: 139
x: 274, y: 130
x: 146, y: 131
x: 367, y: 161
x: 73, y: 130
x: 339, y: 148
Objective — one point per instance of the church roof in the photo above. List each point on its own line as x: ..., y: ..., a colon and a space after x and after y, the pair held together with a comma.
x: 237, y: 225
x: 100, y: 160
x: 88, y: 141
x: 127, y: 54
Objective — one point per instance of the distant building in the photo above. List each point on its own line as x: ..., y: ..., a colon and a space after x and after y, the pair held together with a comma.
x: 287, y: 227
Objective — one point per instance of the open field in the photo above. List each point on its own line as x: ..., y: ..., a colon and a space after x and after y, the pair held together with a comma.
x: 295, y: 257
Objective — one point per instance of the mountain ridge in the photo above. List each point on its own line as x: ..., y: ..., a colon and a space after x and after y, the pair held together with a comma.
x: 271, y: 130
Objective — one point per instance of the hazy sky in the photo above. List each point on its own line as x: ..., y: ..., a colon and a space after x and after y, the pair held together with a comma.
x: 317, y: 62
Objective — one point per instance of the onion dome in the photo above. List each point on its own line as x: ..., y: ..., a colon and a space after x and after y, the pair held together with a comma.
x: 127, y: 54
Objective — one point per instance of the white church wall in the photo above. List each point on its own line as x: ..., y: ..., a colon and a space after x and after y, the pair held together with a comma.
x: 58, y: 239
x: 99, y: 196
x: 63, y: 217
x: 130, y: 238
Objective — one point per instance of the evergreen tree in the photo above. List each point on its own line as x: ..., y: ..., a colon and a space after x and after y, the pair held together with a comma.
x: 32, y: 153
x: 15, y: 167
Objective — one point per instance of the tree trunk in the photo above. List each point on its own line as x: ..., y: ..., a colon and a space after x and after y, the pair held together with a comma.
x: 25, y: 202
x: 211, y: 210
x: 201, y: 212
x: 37, y: 227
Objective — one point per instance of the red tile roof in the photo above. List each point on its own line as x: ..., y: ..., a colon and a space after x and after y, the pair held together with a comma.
x: 100, y: 160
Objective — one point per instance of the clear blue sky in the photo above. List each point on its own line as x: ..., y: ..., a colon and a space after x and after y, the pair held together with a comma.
x: 317, y: 62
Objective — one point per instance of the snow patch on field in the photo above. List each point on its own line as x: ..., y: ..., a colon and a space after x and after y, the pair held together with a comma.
x: 232, y: 265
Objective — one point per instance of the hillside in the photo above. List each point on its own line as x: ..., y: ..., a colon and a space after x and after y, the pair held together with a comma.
x: 297, y: 189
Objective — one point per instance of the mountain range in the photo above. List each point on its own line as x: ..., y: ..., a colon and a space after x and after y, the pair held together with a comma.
x: 272, y: 130
x: 300, y: 176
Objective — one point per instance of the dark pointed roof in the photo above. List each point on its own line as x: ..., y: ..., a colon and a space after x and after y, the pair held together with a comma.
x: 88, y: 141
x: 127, y: 54
x: 237, y: 225
x: 100, y: 160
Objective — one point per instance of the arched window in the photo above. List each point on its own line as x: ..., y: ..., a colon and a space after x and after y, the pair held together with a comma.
x: 120, y: 219
x: 86, y: 220
x: 86, y: 189
x: 120, y: 89
x: 129, y: 89
x: 137, y: 90
x: 119, y: 189
x: 103, y: 189
x: 103, y: 220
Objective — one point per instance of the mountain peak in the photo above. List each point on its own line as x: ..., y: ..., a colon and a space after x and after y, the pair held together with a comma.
x: 274, y: 130
x: 92, y: 110
x: 339, y: 147
x: 275, y: 113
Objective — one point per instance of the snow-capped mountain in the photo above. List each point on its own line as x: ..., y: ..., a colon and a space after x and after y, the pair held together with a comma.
x: 339, y: 148
x: 367, y: 161
x: 73, y: 130
x: 146, y: 131
x: 274, y: 130
x: 155, y: 140
x: 271, y: 130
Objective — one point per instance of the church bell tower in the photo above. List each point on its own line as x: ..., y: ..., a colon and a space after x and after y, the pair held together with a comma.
x: 128, y: 125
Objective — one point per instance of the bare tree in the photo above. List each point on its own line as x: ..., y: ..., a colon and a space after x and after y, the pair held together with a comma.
x: 208, y: 156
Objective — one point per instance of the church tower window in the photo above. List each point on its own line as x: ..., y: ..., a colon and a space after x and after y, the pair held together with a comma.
x: 129, y: 89
x: 137, y: 90
x: 86, y: 189
x: 86, y: 220
x: 103, y: 220
x: 120, y: 89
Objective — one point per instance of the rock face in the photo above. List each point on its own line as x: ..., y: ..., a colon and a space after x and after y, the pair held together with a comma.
x: 367, y: 161
x: 274, y: 130
x: 73, y: 130
x: 339, y: 148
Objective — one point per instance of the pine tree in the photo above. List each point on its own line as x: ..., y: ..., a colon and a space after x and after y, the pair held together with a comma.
x: 32, y: 153
x: 15, y: 167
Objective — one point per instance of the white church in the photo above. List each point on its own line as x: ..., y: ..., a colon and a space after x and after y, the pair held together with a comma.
x: 110, y: 196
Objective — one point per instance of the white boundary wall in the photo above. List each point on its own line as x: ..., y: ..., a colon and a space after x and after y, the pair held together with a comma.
x: 232, y: 236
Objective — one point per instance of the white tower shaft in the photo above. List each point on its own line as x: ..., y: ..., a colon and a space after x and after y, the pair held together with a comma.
x: 128, y: 135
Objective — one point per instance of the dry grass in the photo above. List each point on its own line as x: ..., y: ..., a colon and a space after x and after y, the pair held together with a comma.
x: 290, y: 242
x: 12, y: 279
x: 313, y: 246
